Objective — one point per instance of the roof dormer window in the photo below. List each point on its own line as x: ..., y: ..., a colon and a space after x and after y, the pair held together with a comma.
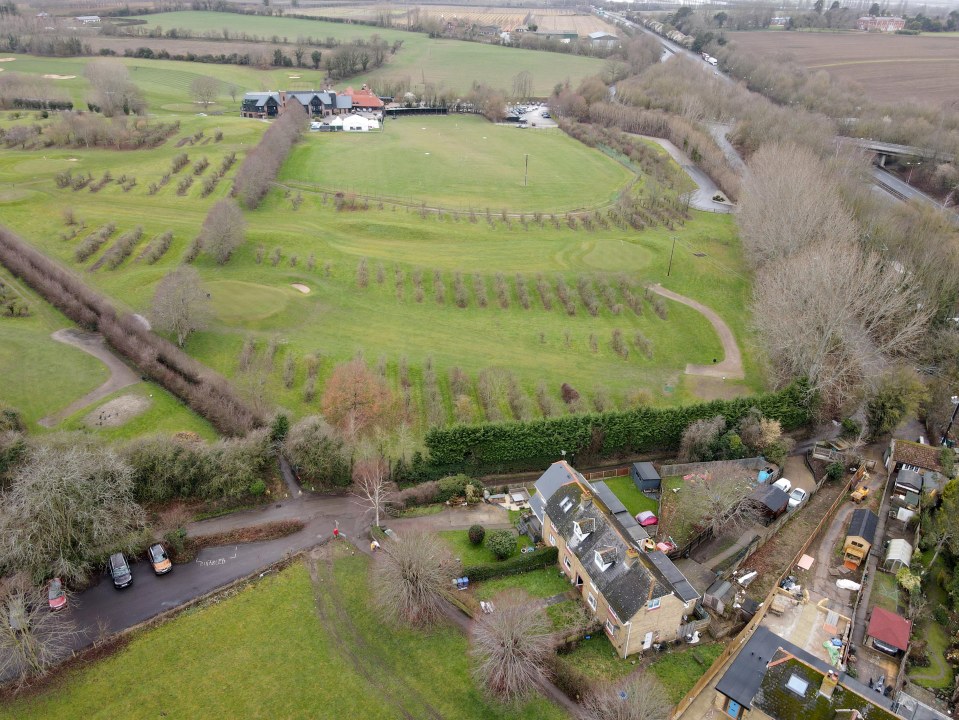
x: 604, y: 558
x: 582, y: 528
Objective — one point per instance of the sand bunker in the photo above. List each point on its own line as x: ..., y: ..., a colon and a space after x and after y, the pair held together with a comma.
x: 7, y: 59
x: 117, y: 411
x: 302, y: 288
x: 294, y: 77
x: 59, y: 77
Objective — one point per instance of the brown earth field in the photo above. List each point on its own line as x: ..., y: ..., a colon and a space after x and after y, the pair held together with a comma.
x: 889, y: 68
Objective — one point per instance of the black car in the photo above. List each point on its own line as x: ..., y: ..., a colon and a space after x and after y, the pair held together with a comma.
x: 120, y: 571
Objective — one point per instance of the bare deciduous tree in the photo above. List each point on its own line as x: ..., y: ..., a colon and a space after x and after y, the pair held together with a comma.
x: 372, y: 486
x: 512, y: 646
x: 67, y: 508
x: 412, y: 578
x: 223, y: 230
x: 180, y: 304
x: 205, y: 90
x: 836, y: 315
x: 640, y: 698
x: 112, y: 90
x: 32, y: 638
x: 699, y: 438
x: 720, y: 499
x: 790, y: 201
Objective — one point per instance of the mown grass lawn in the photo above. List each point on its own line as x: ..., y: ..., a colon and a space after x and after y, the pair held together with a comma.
x: 469, y: 554
x: 542, y: 583
x: 632, y: 497
x: 679, y: 670
x: 598, y: 660
x: 461, y: 162
x: 266, y: 653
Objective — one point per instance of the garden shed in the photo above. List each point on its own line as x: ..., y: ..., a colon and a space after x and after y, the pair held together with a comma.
x: 645, y: 476
x: 898, y: 555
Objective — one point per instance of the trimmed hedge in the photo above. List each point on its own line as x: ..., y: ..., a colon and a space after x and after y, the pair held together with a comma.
x: 531, y: 445
x: 544, y: 557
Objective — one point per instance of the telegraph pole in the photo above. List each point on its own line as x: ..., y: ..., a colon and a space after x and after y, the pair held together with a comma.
x: 526, y: 172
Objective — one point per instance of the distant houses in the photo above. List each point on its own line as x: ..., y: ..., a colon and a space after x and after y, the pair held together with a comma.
x: 881, y: 24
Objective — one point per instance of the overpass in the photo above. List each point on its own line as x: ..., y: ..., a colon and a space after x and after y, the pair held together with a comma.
x: 886, y: 149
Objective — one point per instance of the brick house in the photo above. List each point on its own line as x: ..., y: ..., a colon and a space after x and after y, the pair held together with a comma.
x: 364, y: 100
x: 635, y: 592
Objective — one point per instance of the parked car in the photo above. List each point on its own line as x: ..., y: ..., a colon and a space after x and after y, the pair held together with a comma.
x: 120, y: 571
x: 56, y: 594
x: 885, y: 647
x: 545, y: 114
x: 796, y: 497
x: 784, y: 485
x: 159, y: 560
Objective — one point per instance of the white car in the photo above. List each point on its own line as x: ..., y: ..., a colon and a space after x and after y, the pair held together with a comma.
x: 796, y: 498
x: 784, y: 485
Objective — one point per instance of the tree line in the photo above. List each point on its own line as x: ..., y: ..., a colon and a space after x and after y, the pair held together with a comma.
x: 260, y: 166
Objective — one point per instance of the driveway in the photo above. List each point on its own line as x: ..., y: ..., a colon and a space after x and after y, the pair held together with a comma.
x: 706, y: 189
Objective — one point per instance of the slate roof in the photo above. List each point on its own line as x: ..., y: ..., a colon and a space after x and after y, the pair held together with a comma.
x: 608, y: 498
x: 863, y: 524
x: 344, y: 102
x: 260, y: 97
x: 746, y: 674
x: 538, y: 506
x: 630, y: 582
x: 909, y: 478
x: 556, y: 475
x: 890, y: 628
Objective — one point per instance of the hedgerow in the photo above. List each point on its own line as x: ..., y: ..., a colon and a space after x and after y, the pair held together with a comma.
x: 544, y: 557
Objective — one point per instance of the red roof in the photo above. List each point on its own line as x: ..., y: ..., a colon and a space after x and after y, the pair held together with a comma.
x: 364, y: 98
x: 889, y: 628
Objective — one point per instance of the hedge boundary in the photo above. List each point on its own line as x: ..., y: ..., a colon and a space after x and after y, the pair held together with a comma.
x: 524, y: 562
x: 514, y: 446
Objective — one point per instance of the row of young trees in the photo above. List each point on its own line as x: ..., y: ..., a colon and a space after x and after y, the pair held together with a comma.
x: 260, y: 166
x: 203, y: 390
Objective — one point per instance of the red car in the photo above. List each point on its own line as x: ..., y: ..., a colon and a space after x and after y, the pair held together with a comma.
x: 56, y: 594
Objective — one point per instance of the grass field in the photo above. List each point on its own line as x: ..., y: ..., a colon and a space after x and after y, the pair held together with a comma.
x: 285, y: 648
x: 462, y: 162
x: 889, y: 68
x: 386, y: 321
x: 444, y: 63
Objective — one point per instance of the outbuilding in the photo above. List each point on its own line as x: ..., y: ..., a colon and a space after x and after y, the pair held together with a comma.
x: 888, y: 632
x: 898, y: 555
x: 645, y: 476
x: 859, y: 537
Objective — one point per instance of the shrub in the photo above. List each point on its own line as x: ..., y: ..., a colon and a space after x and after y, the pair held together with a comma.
x: 835, y: 471
x: 851, y: 428
x: 502, y: 543
x: 524, y: 562
x: 454, y: 486
x: 257, y: 488
x: 476, y: 534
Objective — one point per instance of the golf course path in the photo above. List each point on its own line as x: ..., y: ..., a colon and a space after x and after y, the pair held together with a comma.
x: 732, y: 364
x: 120, y: 374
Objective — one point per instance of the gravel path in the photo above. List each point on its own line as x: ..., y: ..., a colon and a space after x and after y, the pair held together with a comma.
x: 732, y: 364
x: 121, y: 375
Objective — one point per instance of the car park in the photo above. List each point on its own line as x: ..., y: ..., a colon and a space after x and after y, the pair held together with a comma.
x: 120, y: 571
x: 56, y: 594
x: 159, y: 560
x: 797, y: 497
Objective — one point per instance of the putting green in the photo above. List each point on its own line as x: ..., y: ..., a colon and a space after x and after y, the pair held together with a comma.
x: 237, y: 303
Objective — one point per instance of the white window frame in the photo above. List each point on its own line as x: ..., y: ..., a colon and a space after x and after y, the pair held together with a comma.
x: 552, y: 540
x: 567, y: 563
x: 609, y: 626
x: 591, y: 600
x: 593, y: 585
x: 598, y: 562
x: 565, y: 504
x: 654, y: 604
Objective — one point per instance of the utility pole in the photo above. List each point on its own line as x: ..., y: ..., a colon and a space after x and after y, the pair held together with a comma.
x: 670, y: 268
x: 526, y: 172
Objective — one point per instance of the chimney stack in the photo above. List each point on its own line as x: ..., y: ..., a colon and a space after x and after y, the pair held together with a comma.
x: 829, y: 682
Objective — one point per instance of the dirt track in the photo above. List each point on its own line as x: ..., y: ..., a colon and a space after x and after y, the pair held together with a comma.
x: 121, y: 375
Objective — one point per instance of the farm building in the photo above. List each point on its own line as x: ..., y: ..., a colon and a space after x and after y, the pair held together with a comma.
x: 603, y: 39
x: 859, y: 537
x: 898, y: 555
x: 881, y: 24
x: 645, y: 476
x: 87, y: 19
x: 889, y: 632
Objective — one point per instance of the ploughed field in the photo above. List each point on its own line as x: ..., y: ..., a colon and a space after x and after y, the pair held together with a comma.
x: 889, y: 68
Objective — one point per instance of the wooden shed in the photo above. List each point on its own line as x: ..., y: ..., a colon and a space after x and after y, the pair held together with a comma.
x: 859, y: 537
x: 645, y: 476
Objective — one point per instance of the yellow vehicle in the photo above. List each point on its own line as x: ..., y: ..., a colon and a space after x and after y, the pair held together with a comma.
x: 859, y: 495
